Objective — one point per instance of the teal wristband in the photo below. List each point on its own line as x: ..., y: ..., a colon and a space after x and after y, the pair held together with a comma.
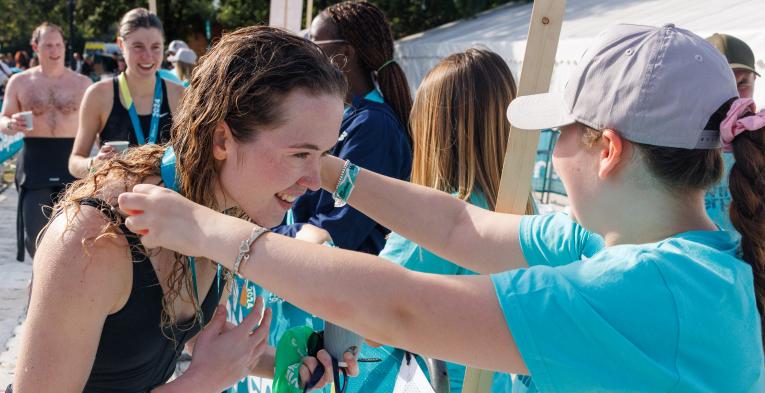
x: 345, y: 184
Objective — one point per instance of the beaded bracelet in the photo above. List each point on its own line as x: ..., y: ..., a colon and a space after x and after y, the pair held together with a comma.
x: 244, y: 249
x: 345, y: 183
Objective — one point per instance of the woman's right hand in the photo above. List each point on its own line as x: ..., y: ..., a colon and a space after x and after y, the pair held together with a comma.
x: 224, y: 353
x: 104, y: 153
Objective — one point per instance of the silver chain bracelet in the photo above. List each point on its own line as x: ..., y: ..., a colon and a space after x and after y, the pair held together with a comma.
x: 244, y: 248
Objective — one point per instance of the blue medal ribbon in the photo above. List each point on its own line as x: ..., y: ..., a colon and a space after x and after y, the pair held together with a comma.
x: 155, y: 108
x: 168, y: 173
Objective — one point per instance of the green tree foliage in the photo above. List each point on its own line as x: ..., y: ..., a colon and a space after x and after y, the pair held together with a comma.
x: 95, y: 19
x: 406, y: 16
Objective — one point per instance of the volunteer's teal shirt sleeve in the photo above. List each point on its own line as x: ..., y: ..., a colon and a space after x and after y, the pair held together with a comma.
x: 555, y: 239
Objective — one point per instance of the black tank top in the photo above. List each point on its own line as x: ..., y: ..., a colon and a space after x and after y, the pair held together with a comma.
x: 134, y: 353
x: 118, y: 126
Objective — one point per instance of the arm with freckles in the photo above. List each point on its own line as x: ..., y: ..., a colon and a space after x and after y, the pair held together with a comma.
x: 344, y: 287
x: 477, y: 239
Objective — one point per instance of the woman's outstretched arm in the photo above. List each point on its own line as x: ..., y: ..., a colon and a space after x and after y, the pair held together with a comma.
x: 429, y: 314
x: 472, y: 237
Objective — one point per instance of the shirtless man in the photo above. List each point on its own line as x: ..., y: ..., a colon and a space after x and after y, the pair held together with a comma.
x: 53, y: 94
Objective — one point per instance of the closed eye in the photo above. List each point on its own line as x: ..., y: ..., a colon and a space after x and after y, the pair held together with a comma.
x: 302, y: 156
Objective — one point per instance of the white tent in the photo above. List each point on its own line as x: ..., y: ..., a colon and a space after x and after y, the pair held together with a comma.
x: 504, y: 30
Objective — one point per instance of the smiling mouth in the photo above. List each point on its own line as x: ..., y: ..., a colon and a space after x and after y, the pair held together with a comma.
x: 286, y: 197
x: 146, y: 66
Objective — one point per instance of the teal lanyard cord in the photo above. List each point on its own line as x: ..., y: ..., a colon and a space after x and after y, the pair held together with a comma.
x: 155, y: 109
x: 167, y: 171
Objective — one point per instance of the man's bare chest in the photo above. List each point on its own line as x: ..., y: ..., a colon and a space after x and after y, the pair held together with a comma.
x: 44, y: 98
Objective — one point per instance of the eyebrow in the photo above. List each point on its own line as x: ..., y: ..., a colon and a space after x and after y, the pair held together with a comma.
x: 309, y: 146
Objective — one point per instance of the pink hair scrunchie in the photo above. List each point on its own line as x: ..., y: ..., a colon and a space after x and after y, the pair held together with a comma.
x: 734, y: 124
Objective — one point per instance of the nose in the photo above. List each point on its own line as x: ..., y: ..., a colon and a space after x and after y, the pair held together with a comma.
x: 311, y: 178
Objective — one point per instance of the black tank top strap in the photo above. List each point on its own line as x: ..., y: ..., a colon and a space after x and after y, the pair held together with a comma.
x: 116, y: 84
x: 137, y: 250
x: 165, y: 108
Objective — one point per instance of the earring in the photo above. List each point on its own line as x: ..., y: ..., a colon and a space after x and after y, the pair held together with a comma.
x: 334, y: 58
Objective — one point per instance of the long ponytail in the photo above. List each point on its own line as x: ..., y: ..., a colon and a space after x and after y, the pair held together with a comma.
x: 365, y: 27
x: 747, y: 208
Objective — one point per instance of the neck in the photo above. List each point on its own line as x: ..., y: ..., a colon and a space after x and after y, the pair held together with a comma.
x: 360, y: 84
x: 222, y: 201
x: 140, y: 85
x: 54, y: 70
x: 651, y: 224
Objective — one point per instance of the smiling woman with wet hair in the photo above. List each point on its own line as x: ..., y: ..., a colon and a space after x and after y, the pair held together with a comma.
x: 261, y: 98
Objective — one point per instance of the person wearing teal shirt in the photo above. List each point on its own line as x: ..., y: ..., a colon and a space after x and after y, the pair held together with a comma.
x: 669, y: 303
x: 443, y: 126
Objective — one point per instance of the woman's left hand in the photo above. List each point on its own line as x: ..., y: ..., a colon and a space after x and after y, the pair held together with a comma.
x: 166, y: 219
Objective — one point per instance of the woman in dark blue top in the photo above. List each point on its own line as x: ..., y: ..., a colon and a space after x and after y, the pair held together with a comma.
x: 374, y: 132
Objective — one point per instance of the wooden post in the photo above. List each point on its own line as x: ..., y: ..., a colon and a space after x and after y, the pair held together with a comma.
x: 153, y: 6
x: 515, y: 184
x: 308, y: 13
x: 287, y: 14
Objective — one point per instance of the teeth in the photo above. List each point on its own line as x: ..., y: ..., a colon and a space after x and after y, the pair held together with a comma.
x: 286, y: 198
x: 146, y: 65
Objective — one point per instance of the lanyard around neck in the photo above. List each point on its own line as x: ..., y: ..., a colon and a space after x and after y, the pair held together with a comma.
x: 167, y: 171
x: 155, y: 107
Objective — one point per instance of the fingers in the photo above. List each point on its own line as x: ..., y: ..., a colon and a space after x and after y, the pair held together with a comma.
x: 144, y: 188
x: 353, y: 365
x: 132, y: 202
x: 251, y: 321
x: 261, y: 332
x: 307, y: 369
x: 326, y: 361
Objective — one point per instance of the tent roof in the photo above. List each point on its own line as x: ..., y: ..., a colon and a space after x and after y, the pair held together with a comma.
x: 504, y: 30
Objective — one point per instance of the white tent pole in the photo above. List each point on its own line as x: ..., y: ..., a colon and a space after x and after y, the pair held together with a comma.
x: 515, y: 184
x: 153, y: 6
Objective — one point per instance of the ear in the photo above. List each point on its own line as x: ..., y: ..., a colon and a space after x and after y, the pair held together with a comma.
x: 121, y: 44
x: 34, y: 47
x: 221, y: 135
x: 350, y: 53
x: 611, y: 153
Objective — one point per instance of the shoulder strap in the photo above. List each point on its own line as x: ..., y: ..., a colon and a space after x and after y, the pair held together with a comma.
x: 116, y: 85
x: 137, y: 249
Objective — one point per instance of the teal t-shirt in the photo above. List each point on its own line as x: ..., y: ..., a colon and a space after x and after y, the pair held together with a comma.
x: 676, y: 315
x: 410, y: 255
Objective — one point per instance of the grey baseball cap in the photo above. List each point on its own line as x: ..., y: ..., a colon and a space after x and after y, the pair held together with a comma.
x: 653, y: 85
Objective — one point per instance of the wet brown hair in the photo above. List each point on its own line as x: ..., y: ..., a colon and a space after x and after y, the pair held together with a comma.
x: 365, y: 28
x: 242, y: 81
x: 139, y: 18
x: 458, y: 123
x: 41, y: 29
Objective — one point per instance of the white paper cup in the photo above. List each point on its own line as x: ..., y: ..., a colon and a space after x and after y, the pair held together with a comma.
x: 27, y: 119
x: 119, y: 146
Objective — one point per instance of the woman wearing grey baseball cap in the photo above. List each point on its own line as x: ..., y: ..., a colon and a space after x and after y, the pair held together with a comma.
x: 658, y: 300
